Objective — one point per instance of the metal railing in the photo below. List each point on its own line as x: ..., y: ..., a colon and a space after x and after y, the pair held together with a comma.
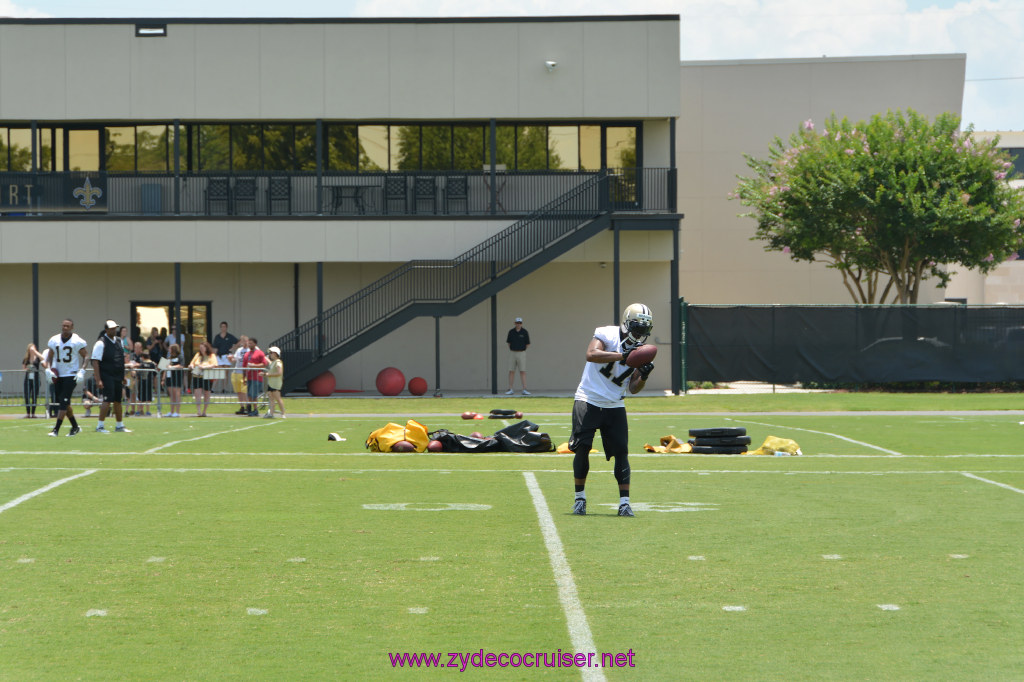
x: 441, y: 282
x: 260, y: 194
x: 145, y: 393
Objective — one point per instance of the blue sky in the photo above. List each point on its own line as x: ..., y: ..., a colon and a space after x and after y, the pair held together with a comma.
x: 989, y: 32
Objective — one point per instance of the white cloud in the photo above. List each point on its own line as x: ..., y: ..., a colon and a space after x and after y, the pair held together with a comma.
x: 9, y: 9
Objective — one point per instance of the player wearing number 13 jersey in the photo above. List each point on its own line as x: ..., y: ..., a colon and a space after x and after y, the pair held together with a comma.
x: 599, y: 401
x: 65, y: 366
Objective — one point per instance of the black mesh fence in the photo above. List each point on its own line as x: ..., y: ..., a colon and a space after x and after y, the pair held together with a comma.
x: 853, y: 343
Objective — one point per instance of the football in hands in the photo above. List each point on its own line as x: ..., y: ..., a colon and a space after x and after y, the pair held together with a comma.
x: 641, y: 355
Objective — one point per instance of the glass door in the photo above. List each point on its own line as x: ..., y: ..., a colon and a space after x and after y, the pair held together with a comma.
x: 82, y: 149
x: 622, y: 159
x: 194, y: 320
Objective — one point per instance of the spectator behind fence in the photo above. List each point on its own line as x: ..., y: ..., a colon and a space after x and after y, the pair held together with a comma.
x: 202, y: 363
x: 90, y: 395
x: 254, y: 361
x: 142, y: 379
x: 223, y: 344
x: 30, y: 363
x: 275, y: 380
x: 126, y: 342
x: 174, y: 378
x: 173, y: 338
x: 156, y: 349
x: 238, y: 375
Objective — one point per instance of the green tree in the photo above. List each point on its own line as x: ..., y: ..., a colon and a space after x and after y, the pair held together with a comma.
x: 889, y: 202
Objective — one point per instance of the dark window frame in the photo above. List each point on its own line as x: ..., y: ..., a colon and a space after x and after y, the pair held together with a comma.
x: 192, y: 152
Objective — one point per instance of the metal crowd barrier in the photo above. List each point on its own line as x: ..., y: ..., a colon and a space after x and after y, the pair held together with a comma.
x: 147, y: 393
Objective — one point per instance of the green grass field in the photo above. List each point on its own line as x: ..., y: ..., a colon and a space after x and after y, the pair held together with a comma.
x: 243, y: 549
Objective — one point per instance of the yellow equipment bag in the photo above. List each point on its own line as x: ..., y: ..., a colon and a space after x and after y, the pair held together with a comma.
x: 384, y: 438
x: 773, y: 445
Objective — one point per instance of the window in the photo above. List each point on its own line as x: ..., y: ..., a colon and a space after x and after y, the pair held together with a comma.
x: 373, y: 148
x: 469, y: 150
x: 153, y: 148
x: 214, y: 147
x: 590, y: 148
x: 305, y: 147
x: 437, y: 148
x: 620, y: 147
x: 564, y: 147
x: 532, y: 148
x: 19, y: 149
x: 246, y: 147
x: 405, y: 147
x: 278, y: 147
x: 281, y: 147
x: 119, y: 148
x: 342, y: 147
x: 50, y: 143
x: 505, y: 149
x: 84, y: 149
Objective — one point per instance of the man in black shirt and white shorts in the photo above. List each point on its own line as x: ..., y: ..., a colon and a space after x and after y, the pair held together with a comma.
x: 108, y: 368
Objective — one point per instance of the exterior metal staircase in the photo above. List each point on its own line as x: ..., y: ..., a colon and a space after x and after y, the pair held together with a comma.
x: 438, y: 288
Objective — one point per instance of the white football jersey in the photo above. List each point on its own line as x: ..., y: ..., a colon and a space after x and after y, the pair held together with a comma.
x: 66, y: 357
x: 605, y: 385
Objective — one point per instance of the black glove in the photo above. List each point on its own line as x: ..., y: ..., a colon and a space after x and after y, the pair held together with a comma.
x: 628, y: 348
x: 645, y: 370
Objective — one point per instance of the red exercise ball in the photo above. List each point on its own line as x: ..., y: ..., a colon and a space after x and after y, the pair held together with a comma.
x: 322, y: 385
x: 390, y: 381
x: 417, y: 385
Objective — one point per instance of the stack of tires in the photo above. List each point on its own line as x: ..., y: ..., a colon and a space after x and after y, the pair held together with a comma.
x: 722, y: 440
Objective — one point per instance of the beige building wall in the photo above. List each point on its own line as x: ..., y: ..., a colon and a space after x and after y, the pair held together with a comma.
x: 732, y: 108
x: 241, y: 241
x: 560, y: 303
x: 342, y: 70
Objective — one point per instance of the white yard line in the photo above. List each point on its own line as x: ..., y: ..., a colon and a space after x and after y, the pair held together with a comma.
x: 36, y: 493
x: 209, y: 435
x: 394, y: 470
x: 823, y: 433
x: 1001, y: 485
x: 481, y: 455
x: 579, y: 630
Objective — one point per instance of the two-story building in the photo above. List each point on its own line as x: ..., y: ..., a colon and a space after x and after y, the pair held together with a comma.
x: 364, y: 193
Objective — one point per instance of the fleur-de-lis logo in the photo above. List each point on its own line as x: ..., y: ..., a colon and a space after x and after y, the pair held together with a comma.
x: 88, y: 194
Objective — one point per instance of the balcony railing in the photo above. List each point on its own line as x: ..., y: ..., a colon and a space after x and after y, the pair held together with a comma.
x: 240, y: 195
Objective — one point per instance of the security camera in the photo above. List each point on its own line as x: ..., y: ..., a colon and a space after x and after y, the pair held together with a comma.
x: 551, y: 65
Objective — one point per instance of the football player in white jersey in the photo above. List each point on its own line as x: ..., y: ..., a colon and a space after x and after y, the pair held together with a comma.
x: 599, y: 401
x: 65, y: 368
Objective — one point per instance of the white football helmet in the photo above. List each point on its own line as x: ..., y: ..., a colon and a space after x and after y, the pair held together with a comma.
x: 637, y: 323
